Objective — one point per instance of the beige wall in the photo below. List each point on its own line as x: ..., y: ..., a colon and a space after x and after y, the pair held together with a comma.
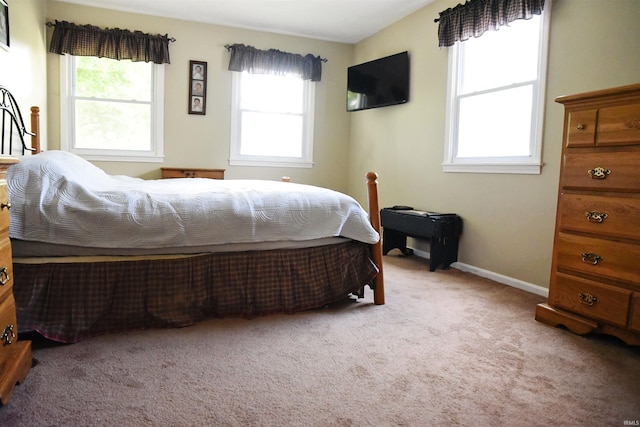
x: 203, y: 141
x: 509, y: 219
x: 22, y: 67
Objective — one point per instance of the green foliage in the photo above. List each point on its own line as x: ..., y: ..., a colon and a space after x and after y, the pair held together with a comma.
x: 111, y: 79
x: 113, y: 104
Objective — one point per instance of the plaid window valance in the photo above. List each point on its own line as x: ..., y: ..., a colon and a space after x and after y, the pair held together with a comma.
x: 475, y: 17
x: 273, y: 61
x: 114, y: 43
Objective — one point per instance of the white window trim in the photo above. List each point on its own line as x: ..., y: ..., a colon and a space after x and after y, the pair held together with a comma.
x: 67, y: 125
x: 511, y: 165
x: 237, y: 159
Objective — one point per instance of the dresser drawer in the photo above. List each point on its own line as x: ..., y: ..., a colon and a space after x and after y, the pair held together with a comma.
x: 618, y: 171
x: 4, y: 210
x: 617, y: 260
x: 608, y: 126
x: 591, y: 299
x: 611, y: 216
x: 6, y: 267
x: 581, y: 128
x: 7, y: 319
x: 618, y: 125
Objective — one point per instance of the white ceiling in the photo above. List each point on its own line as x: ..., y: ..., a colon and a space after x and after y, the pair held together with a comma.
x: 347, y: 21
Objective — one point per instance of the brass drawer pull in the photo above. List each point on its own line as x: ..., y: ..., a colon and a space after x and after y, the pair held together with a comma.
x: 632, y: 123
x: 591, y: 258
x: 596, y: 216
x: 5, y: 205
x: 4, y: 276
x: 8, y: 335
x: 581, y: 126
x: 588, y: 299
x: 599, y: 173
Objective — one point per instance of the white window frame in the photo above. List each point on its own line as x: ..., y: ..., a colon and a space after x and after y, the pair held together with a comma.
x: 531, y: 164
x: 67, y: 119
x: 238, y: 159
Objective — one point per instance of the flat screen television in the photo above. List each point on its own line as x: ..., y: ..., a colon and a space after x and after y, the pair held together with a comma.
x: 378, y: 83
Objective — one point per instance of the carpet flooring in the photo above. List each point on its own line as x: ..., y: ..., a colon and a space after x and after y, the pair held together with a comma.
x: 448, y: 348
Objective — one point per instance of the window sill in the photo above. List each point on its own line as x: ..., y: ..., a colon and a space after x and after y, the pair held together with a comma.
x: 513, y: 168
x: 115, y: 158
x: 268, y: 163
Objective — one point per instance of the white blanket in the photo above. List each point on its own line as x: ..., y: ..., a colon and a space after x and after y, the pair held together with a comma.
x: 58, y: 197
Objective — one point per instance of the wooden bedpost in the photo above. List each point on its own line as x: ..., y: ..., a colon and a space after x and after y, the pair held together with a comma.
x: 376, y: 250
x: 35, y: 130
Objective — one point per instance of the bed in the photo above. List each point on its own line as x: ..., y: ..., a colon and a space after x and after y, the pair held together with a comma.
x: 96, y: 254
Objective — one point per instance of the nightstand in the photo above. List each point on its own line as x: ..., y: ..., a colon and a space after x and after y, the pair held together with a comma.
x: 15, y: 356
x: 192, y: 173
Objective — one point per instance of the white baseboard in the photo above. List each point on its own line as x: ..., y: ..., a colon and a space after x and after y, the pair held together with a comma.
x: 500, y: 278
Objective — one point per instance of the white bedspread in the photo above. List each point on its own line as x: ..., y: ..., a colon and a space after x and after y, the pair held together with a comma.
x: 58, y: 197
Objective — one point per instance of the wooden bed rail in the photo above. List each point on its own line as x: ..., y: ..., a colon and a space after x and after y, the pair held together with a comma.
x: 376, y: 249
x: 35, y: 130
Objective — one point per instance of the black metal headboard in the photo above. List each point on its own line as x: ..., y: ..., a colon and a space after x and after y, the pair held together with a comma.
x: 12, y: 123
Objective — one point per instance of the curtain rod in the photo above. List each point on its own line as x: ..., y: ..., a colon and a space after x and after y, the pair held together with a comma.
x: 53, y: 24
x: 228, y: 47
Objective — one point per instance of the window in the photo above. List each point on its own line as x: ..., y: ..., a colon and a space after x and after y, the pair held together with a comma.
x: 271, y: 120
x: 112, y: 110
x: 496, y: 100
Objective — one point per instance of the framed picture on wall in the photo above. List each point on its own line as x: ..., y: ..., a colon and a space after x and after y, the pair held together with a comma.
x: 197, y: 87
x: 4, y: 24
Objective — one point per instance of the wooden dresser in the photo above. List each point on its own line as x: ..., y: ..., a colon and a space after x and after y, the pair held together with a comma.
x: 15, y: 356
x: 595, y: 273
x: 192, y: 173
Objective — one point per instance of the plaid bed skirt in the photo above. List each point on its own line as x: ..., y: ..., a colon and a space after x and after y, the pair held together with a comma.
x: 67, y: 302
